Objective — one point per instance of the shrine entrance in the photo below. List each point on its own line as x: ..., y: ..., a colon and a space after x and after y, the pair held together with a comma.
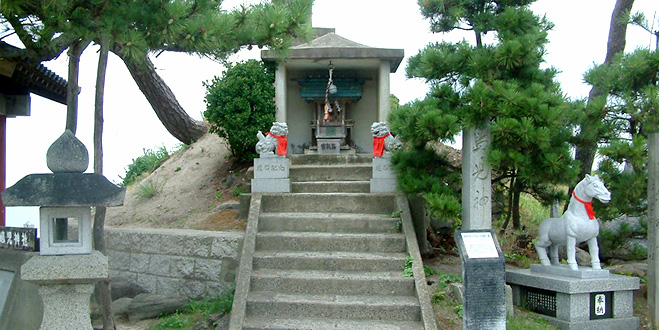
x: 330, y: 91
x: 330, y: 98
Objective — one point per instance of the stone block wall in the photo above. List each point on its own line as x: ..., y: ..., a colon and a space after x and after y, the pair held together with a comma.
x: 175, y: 262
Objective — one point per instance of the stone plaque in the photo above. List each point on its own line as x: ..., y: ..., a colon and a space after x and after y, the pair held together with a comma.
x: 271, y: 167
x: 601, y: 305
x: 479, y: 245
x: 382, y: 168
x: 17, y: 238
x: 329, y: 146
x: 483, y: 278
x: 5, y: 283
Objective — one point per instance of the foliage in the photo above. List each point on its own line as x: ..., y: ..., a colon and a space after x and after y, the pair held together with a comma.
x: 407, y: 268
x: 240, y: 103
x: 238, y: 191
x: 147, y: 163
x: 196, y: 310
x: 611, y: 241
x: 499, y: 84
x: 201, y: 27
x: 423, y: 171
x: 528, y: 321
x: 148, y: 189
x: 630, y: 114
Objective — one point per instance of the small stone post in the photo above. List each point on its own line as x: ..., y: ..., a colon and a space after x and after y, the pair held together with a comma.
x: 384, y: 143
x: 271, y: 169
x: 653, y: 226
x: 476, y: 179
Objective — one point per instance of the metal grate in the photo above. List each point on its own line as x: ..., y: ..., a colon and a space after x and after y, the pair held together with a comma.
x: 540, y: 301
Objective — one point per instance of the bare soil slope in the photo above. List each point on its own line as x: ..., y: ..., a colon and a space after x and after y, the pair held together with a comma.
x: 193, y: 189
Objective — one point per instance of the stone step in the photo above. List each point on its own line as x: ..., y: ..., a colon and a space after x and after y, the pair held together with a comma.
x: 329, y: 203
x: 278, y: 305
x: 340, y: 172
x: 328, y: 222
x: 315, y: 159
x: 261, y: 323
x: 321, y: 187
x: 331, y: 261
x: 336, y: 242
x: 332, y: 282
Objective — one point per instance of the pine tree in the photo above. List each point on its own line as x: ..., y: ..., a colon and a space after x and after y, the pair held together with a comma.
x: 499, y: 82
x: 139, y: 28
x: 630, y: 113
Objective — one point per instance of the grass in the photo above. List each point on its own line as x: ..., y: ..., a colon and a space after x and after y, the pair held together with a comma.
x: 148, y: 189
x: 195, y: 312
x: 148, y: 162
x: 525, y: 320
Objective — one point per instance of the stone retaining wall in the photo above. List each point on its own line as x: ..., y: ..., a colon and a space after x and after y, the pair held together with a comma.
x: 175, y: 262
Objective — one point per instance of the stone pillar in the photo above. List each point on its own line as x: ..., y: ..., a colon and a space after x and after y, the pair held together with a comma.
x: 653, y: 226
x: 384, y: 98
x: 476, y: 179
x: 65, y: 284
x: 280, y: 93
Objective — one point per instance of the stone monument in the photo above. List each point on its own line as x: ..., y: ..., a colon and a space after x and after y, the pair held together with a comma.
x: 384, y: 177
x: 476, y: 178
x: 483, y: 272
x: 572, y: 296
x: 67, y: 268
x: 653, y: 226
x: 271, y: 169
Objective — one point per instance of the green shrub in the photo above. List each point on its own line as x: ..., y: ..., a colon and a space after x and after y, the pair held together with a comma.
x: 241, y: 103
x: 195, y: 312
x: 146, y: 163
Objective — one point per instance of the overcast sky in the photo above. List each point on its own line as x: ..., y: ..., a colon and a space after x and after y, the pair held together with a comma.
x: 576, y: 43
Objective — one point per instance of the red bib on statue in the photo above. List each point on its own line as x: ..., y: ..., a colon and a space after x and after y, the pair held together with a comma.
x: 282, y: 143
x: 378, y: 145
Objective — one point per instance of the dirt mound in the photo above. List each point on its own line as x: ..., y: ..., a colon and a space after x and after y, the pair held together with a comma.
x: 193, y: 189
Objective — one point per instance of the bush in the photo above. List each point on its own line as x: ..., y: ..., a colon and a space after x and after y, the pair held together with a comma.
x: 146, y: 163
x: 240, y: 104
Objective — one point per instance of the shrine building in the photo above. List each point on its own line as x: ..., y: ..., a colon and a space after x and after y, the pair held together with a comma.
x: 331, y: 90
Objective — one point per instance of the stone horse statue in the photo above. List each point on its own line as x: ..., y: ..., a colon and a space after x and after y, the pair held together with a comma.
x: 578, y: 224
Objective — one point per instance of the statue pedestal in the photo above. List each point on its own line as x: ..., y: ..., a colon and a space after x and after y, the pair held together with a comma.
x: 271, y: 174
x: 66, y: 283
x: 564, y: 270
x: 384, y: 177
x: 576, y: 303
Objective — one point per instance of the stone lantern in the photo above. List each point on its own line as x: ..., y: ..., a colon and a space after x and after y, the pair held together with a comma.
x: 67, y: 268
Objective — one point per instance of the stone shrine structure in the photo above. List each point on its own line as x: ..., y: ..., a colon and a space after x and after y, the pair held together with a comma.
x: 66, y: 269
x: 330, y: 90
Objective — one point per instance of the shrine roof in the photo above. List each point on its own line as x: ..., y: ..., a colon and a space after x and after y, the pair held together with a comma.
x: 333, y: 46
x: 19, y: 76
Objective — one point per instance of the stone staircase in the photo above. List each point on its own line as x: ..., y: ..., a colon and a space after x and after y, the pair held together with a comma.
x: 329, y: 255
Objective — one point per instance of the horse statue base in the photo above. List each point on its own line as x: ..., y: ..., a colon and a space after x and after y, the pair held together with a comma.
x: 565, y: 270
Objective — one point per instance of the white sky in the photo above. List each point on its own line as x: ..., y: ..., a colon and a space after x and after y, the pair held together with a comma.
x: 576, y: 43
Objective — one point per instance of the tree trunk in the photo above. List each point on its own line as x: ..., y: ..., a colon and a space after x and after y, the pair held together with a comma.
x: 517, y: 222
x: 587, y: 146
x: 162, y: 100
x: 510, y: 204
x: 72, y: 89
x: 103, y: 292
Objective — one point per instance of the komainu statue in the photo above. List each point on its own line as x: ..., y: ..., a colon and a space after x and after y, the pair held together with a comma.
x: 276, y: 139
x: 383, y: 140
x: 578, y: 224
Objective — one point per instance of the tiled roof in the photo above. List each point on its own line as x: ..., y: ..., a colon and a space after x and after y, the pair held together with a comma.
x: 20, y: 76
